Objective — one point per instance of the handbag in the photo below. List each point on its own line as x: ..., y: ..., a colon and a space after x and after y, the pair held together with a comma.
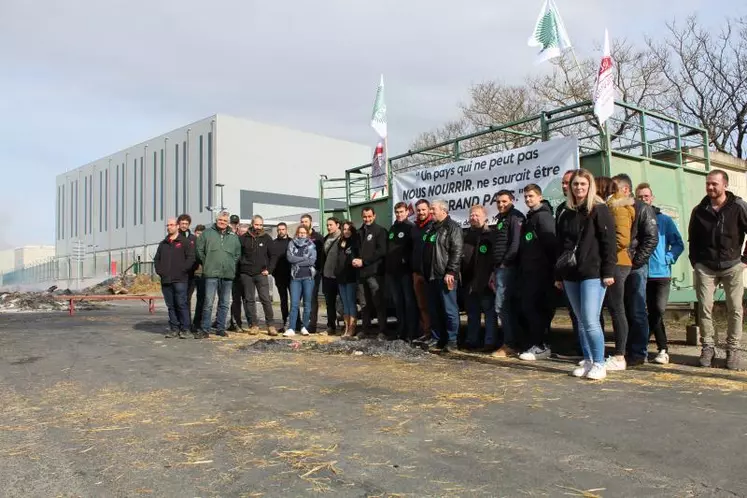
x: 567, y: 261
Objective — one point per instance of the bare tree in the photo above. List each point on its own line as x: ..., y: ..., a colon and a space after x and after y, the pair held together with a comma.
x: 708, y: 74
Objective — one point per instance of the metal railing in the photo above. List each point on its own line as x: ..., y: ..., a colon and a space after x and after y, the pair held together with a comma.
x: 631, y: 131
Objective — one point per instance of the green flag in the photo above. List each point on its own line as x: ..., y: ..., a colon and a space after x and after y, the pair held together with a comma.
x: 549, y: 33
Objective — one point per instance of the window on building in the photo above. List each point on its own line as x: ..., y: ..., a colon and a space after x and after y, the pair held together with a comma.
x: 124, y: 191
x: 62, y: 213
x: 155, y: 181
x: 200, y: 186
x: 75, y: 204
x: 106, y: 200
x: 116, y: 201
x: 176, y: 179
x: 134, y: 192
x: 90, y: 203
x: 210, y: 168
x: 142, y: 187
x: 185, y: 152
x: 161, y: 184
x: 85, y: 205
x: 101, y: 201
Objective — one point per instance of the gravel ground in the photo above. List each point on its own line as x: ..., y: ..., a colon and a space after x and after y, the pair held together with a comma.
x: 100, y: 404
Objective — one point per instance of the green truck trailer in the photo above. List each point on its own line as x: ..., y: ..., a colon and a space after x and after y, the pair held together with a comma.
x: 670, y: 155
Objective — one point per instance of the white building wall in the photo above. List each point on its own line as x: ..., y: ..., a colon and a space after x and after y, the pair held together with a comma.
x: 7, y: 260
x: 99, y: 205
x: 29, y: 255
x: 266, y: 158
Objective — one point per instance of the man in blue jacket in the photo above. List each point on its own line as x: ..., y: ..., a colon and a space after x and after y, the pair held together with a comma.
x: 668, y: 249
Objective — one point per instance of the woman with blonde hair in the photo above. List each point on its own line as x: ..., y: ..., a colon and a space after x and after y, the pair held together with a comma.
x: 586, y: 266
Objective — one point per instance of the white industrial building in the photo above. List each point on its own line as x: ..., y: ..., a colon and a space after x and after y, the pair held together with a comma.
x: 114, y: 210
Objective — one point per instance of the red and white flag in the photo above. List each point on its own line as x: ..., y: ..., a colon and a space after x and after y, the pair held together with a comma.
x: 378, y: 172
x: 604, y: 91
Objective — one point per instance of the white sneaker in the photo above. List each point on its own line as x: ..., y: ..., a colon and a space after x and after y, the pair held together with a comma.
x: 597, y: 372
x: 304, y: 331
x: 583, y: 370
x: 615, y: 364
x: 289, y: 333
x: 662, y: 358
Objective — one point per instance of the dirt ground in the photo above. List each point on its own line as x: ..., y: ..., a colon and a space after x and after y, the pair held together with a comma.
x: 100, y: 404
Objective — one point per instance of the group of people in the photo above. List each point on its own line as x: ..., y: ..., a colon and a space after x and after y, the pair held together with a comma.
x: 605, y: 245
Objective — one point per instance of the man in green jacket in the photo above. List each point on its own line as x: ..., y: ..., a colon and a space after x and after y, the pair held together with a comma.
x: 218, y: 250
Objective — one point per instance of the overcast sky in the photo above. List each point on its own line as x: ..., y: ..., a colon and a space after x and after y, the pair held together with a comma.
x: 85, y: 78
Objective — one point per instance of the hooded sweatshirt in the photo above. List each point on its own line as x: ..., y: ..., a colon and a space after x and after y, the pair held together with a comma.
x: 301, y: 255
x: 256, y: 253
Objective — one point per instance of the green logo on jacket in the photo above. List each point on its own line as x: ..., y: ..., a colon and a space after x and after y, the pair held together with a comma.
x: 529, y: 236
x: 500, y: 226
x: 391, y: 235
x: 433, y: 237
x: 483, y: 249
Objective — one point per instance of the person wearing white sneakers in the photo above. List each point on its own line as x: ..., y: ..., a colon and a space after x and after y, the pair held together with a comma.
x: 586, y: 266
x: 301, y: 255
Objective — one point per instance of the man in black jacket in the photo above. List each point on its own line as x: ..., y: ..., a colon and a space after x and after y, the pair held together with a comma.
x: 716, y: 233
x: 477, y: 269
x: 174, y: 259
x: 644, y: 238
x: 281, y: 273
x: 505, y: 255
x: 318, y: 239
x: 371, y: 274
x: 423, y: 222
x: 398, y: 269
x: 255, y: 265
x: 537, y: 255
x: 442, y: 258
x: 184, y: 221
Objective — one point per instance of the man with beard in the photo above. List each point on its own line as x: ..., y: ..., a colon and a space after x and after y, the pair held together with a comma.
x: 537, y: 256
x: 255, y: 266
x: 423, y: 222
x: 477, y: 268
x: 371, y: 270
x: 329, y: 280
x: 281, y: 274
x: 173, y: 261
x: 505, y: 255
x: 716, y: 234
x: 399, y: 273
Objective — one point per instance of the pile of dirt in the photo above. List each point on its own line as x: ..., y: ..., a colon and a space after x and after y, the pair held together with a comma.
x: 365, y: 347
x: 29, y: 301
x: 128, y: 284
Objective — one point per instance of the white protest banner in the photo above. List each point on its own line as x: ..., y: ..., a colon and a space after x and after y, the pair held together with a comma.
x: 473, y: 181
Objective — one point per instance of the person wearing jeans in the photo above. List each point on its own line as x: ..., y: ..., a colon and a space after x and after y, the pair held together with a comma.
x: 301, y: 255
x: 505, y: 252
x: 218, y: 250
x: 318, y: 240
x: 586, y: 266
x: 348, y: 249
x: 442, y: 257
x: 621, y: 207
x: 667, y: 252
x: 716, y: 234
x: 477, y: 265
x: 199, y: 283
x: 644, y: 237
x: 174, y: 259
